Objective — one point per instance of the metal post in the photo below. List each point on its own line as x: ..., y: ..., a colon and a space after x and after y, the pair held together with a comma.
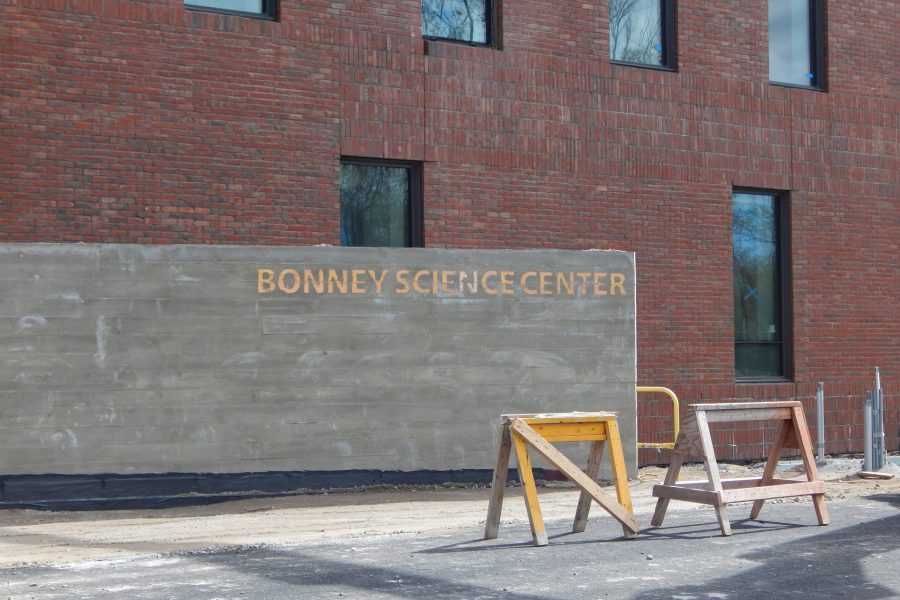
x: 820, y: 422
x: 878, y: 456
x: 867, y: 432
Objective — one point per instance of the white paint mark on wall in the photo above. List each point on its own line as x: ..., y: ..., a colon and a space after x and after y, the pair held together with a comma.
x: 66, y: 297
x: 243, y: 359
x: 107, y: 415
x: 310, y: 361
x: 51, y: 409
x: 63, y: 439
x: 102, y: 331
x: 460, y: 456
x: 30, y: 322
x: 178, y: 275
x: 343, y: 448
x: 530, y: 359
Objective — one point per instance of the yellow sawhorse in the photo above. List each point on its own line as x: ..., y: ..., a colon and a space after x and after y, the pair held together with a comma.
x: 538, y: 431
x: 694, y: 441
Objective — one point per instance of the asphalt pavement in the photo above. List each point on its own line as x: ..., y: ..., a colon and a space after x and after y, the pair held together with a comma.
x: 785, y: 554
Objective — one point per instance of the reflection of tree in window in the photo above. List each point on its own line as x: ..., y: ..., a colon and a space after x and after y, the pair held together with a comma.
x: 755, y: 268
x: 757, y: 286
x: 374, y: 205
x: 635, y: 31
x: 463, y: 20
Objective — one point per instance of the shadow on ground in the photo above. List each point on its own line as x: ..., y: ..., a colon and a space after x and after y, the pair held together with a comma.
x: 828, y: 565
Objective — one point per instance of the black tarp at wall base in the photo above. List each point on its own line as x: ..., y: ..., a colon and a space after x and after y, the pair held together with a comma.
x: 167, y: 490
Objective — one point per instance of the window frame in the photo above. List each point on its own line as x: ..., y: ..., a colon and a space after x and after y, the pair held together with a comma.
x: 269, y: 10
x: 783, y: 264
x: 668, y: 15
x: 817, y: 54
x: 492, y: 22
x: 415, y: 214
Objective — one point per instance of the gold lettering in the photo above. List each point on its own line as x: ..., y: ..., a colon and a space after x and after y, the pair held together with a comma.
x: 506, y: 282
x: 545, y: 283
x: 402, y: 282
x: 317, y: 284
x: 617, y: 282
x: 446, y: 282
x: 334, y: 282
x: 356, y: 283
x: 281, y: 281
x: 568, y: 284
x: 598, y: 290
x: 484, y: 279
x: 417, y: 278
x: 265, y: 281
x: 523, y: 283
x: 434, y: 282
x: 378, y: 280
x: 584, y: 279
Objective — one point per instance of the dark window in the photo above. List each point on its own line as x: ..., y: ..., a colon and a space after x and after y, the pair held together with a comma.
x: 760, y: 290
x: 381, y: 203
x: 797, y: 42
x: 642, y: 32
x: 253, y: 8
x: 459, y: 20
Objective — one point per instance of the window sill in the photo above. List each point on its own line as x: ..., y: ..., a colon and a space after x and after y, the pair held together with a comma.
x: 752, y: 380
x: 230, y: 13
x: 623, y: 63
x: 809, y: 88
x: 436, y: 40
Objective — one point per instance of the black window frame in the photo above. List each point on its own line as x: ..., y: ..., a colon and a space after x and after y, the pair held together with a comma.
x: 783, y: 262
x: 415, y: 214
x: 269, y: 10
x: 492, y: 24
x: 668, y: 14
x: 817, y: 34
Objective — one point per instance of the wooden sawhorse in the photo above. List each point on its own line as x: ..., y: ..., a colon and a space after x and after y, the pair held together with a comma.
x: 537, y: 431
x: 694, y: 441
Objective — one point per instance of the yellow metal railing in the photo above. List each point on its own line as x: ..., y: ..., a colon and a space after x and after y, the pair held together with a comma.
x: 646, y: 389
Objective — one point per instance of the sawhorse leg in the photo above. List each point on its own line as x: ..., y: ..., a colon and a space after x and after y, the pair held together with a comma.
x: 712, y: 471
x: 662, y: 504
x: 526, y: 475
x: 585, y: 500
x: 809, y: 464
x: 784, y: 430
x: 498, y: 486
x: 620, y: 475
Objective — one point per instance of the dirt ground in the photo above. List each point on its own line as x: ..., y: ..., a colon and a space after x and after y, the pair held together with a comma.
x: 30, y: 537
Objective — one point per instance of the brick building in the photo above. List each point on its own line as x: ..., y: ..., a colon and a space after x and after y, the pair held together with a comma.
x: 750, y: 158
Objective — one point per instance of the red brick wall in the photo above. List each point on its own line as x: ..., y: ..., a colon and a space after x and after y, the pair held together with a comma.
x: 141, y: 122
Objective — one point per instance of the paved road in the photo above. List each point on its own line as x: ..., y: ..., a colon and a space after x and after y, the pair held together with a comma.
x: 786, y: 555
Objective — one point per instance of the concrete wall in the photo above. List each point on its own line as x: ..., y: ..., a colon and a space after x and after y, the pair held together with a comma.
x: 217, y: 359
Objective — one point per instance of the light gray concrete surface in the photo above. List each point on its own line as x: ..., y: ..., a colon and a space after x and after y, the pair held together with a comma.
x: 783, y: 555
x: 134, y: 359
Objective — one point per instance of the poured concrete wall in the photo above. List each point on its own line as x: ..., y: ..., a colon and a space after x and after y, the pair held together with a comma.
x: 213, y: 359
